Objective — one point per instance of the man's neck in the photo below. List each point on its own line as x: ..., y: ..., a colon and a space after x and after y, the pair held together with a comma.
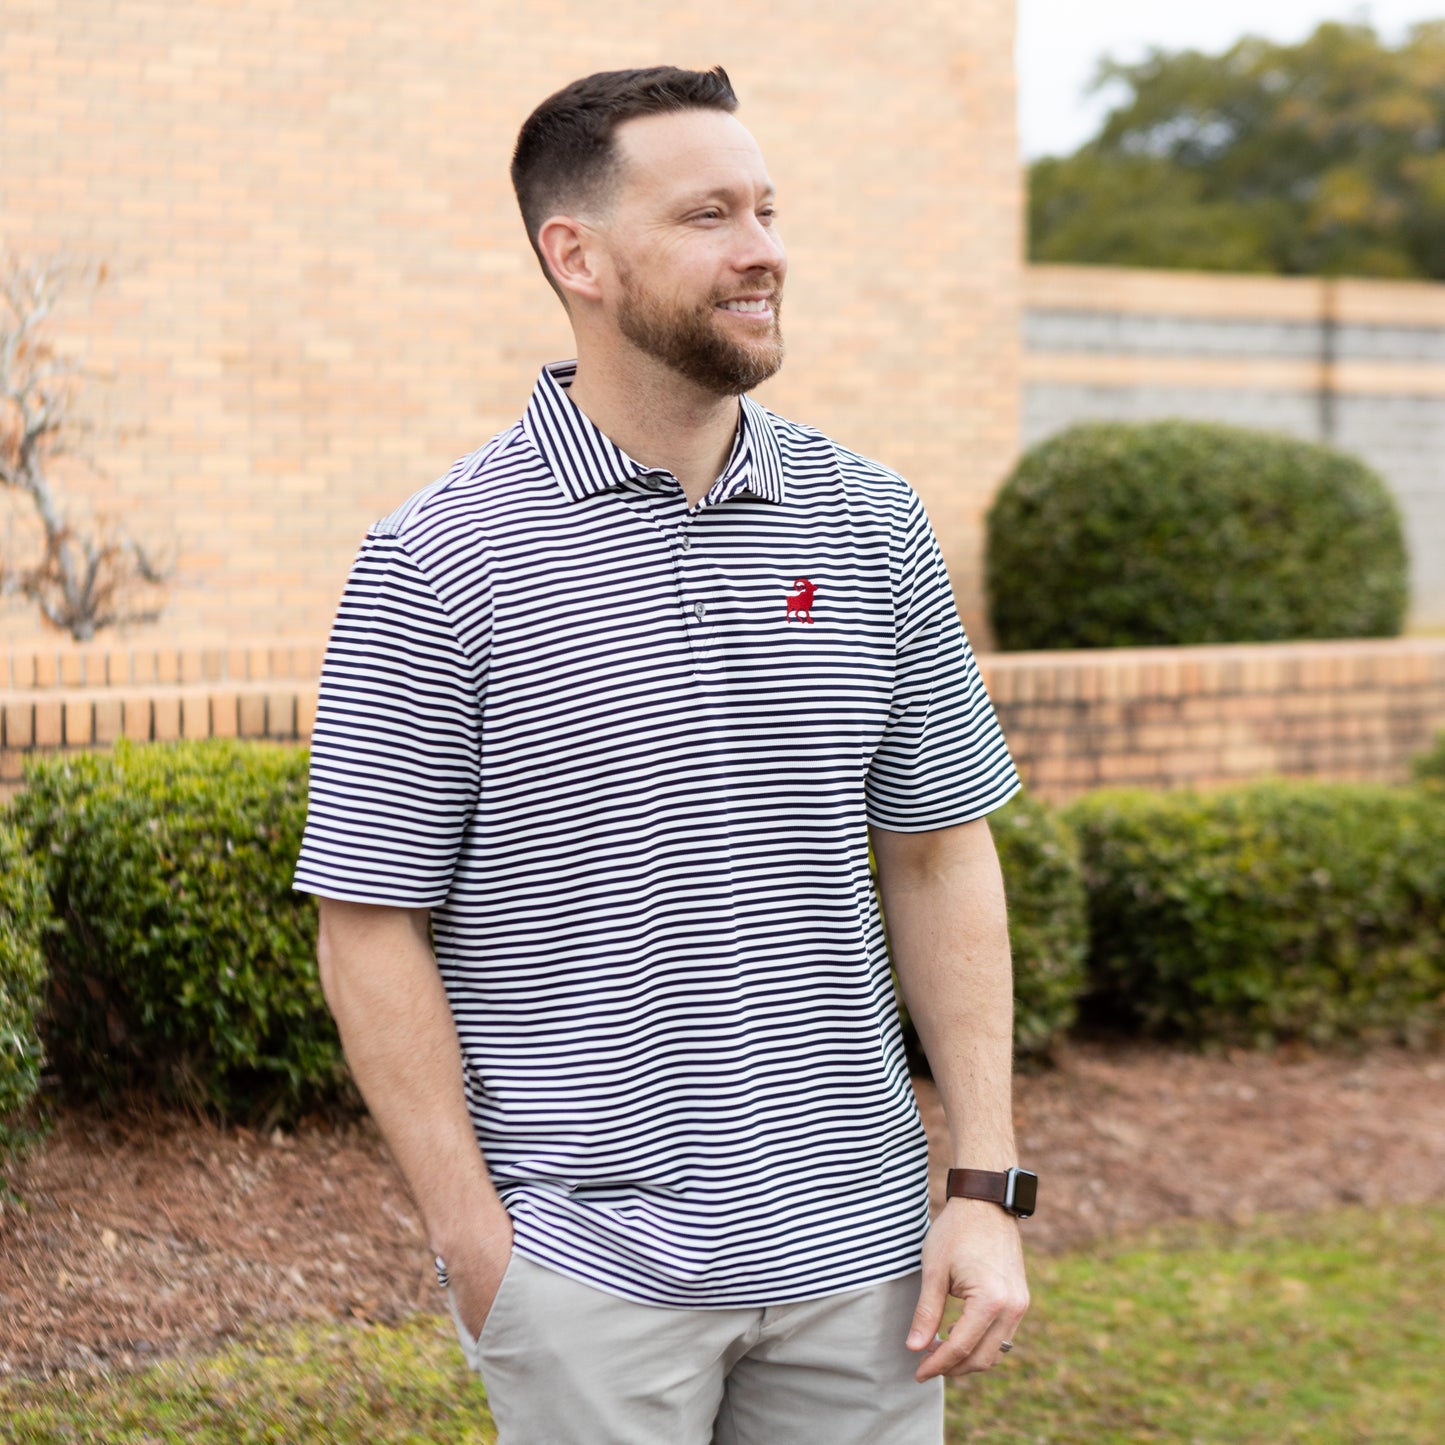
x: 659, y: 419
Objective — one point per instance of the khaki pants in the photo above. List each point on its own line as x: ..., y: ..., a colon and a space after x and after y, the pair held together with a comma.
x: 565, y: 1364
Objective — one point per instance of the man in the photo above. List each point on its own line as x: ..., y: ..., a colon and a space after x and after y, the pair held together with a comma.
x: 606, y: 718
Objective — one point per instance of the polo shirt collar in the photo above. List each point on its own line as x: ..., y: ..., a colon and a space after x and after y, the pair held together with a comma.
x: 586, y: 462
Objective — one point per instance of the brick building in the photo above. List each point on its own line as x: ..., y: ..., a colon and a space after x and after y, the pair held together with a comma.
x: 319, y: 295
x: 319, y: 292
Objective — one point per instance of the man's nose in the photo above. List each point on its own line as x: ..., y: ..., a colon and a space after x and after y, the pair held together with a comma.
x: 759, y: 248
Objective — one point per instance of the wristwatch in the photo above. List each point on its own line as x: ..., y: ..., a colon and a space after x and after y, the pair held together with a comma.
x: 1016, y: 1190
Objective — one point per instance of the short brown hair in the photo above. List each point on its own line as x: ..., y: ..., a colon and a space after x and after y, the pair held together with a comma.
x: 565, y: 153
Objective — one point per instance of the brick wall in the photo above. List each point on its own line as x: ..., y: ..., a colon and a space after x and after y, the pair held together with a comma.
x: 58, y: 698
x: 1360, y: 364
x: 1208, y: 716
x: 1152, y: 717
x: 320, y: 294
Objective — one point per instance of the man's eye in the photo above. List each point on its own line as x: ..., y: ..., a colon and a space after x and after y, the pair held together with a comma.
x: 708, y: 215
x: 767, y: 215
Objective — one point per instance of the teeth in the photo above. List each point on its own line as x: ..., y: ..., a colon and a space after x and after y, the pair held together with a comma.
x: 750, y: 306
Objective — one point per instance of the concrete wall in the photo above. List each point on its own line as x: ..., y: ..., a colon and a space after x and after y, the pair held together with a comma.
x: 1355, y: 363
x: 320, y: 294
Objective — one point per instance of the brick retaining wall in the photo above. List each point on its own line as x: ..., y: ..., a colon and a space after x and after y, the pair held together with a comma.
x: 1152, y: 717
x: 68, y: 697
x: 1206, y: 716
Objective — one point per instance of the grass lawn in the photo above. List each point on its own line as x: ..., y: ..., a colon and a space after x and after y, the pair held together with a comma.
x: 1326, y: 1329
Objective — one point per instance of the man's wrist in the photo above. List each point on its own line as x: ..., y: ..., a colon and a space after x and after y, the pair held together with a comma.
x: 461, y: 1231
x: 1014, y: 1190
x: 474, y: 1251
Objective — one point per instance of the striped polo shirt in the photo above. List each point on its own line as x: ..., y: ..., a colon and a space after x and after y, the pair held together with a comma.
x: 626, y: 750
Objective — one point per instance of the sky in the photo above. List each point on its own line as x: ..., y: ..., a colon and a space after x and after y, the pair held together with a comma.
x: 1060, y: 42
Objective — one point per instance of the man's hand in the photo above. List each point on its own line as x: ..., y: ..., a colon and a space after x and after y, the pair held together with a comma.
x: 475, y: 1268
x: 943, y: 901
x: 973, y: 1253
x: 382, y: 985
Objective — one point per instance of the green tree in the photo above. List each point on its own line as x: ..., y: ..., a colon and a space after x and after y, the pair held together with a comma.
x: 1321, y: 158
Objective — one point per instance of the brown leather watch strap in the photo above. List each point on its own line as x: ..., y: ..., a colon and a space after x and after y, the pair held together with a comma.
x: 989, y: 1184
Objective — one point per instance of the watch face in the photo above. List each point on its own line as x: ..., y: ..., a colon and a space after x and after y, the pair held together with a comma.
x: 1025, y: 1193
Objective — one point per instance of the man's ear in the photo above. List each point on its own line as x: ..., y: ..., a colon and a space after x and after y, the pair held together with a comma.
x: 573, y: 254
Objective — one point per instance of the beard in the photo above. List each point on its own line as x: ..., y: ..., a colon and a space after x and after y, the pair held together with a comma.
x: 689, y: 340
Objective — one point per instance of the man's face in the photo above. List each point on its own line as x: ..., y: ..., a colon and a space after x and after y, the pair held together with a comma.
x: 699, y: 266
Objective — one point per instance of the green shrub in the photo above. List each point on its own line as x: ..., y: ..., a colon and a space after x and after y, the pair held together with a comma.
x: 24, y: 912
x: 183, y: 960
x: 1429, y: 767
x: 1276, y: 911
x: 1122, y: 535
x: 1044, y: 884
x: 1047, y: 921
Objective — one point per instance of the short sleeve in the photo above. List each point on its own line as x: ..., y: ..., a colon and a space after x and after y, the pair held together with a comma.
x: 395, y: 749
x: 942, y: 759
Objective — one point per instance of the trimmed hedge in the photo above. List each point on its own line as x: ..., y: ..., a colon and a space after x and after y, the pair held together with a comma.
x: 24, y: 913
x: 182, y: 959
x: 1277, y: 911
x: 1047, y: 920
x: 1429, y: 766
x: 1043, y: 881
x: 1122, y: 535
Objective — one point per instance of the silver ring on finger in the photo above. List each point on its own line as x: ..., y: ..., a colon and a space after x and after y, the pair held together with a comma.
x: 1005, y: 1346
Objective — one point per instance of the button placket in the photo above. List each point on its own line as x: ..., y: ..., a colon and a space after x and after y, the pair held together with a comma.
x: 691, y: 572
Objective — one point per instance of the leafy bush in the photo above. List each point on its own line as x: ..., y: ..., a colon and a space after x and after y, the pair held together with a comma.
x: 1044, y: 884
x: 1121, y: 535
x: 23, y: 915
x: 1429, y: 767
x: 1276, y: 911
x: 1047, y: 922
x: 183, y: 959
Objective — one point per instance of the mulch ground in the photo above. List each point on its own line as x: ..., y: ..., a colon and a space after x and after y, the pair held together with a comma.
x: 152, y: 1233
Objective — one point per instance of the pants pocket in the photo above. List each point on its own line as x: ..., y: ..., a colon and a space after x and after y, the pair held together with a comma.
x: 472, y: 1344
x: 465, y: 1338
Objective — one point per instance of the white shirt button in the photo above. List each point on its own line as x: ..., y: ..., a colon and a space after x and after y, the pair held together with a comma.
x: 697, y: 610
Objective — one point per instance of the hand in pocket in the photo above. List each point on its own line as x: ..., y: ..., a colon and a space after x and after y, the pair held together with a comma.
x: 476, y: 1276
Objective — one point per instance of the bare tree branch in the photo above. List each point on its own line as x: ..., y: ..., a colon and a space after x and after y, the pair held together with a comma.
x: 84, y: 580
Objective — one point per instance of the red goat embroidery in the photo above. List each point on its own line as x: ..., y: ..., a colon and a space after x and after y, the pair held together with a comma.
x: 801, y: 601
